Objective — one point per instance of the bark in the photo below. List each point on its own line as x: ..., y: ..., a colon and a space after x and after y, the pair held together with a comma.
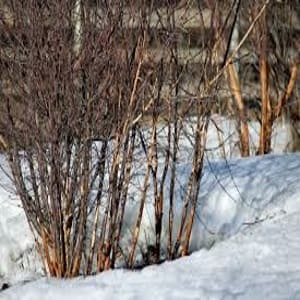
x: 235, y: 89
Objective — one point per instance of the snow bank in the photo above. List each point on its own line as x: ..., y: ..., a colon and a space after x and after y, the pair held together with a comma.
x: 238, y: 192
x: 18, y: 258
x: 261, y: 262
x: 233, y: 195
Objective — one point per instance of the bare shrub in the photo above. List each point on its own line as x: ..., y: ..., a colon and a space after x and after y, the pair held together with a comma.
x: 94, y: 126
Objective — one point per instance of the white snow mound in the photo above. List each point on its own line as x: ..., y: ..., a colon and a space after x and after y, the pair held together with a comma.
x: 257, y: 199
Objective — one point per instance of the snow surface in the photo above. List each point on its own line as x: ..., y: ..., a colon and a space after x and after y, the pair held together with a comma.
x: 217, y: 217
x: 223, y: 138
x: 261, y: 262
x: 18, y: 258
x: 258, y: 199
x: 246, y: 227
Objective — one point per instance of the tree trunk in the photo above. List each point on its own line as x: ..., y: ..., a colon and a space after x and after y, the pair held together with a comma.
x: 235, y: 88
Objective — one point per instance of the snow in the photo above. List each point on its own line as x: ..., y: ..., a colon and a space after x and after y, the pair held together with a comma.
x: 18, y: 259
x: 223, y: 137
x: 247, y: 230
x: 261, y: 262
x: 227, y: 194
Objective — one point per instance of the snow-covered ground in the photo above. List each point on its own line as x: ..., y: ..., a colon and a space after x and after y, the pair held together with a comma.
x: 258, y: 197
x: 223, y: 139
x: 18, y: 258
x: 248, y: 230
x: 262, y: 262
